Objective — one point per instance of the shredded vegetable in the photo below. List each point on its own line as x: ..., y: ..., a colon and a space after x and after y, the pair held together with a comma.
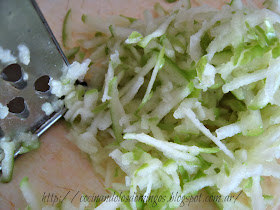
x: 190, y: 101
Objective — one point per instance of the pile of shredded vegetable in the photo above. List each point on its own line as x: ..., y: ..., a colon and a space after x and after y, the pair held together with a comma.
x: 177, y: 103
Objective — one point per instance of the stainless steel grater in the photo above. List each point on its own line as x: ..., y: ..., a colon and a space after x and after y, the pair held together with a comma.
x: 21, y: 22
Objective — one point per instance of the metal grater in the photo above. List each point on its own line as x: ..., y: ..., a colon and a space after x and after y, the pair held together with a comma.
x: 22, y: 22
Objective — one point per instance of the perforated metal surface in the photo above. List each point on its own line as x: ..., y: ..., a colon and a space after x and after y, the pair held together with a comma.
x: 21, y: 22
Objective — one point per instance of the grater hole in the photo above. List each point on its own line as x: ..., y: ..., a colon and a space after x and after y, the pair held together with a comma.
x: 42, y: 84
x: 13, y: 73
x: 2, y: 134
x: 18, y: 107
